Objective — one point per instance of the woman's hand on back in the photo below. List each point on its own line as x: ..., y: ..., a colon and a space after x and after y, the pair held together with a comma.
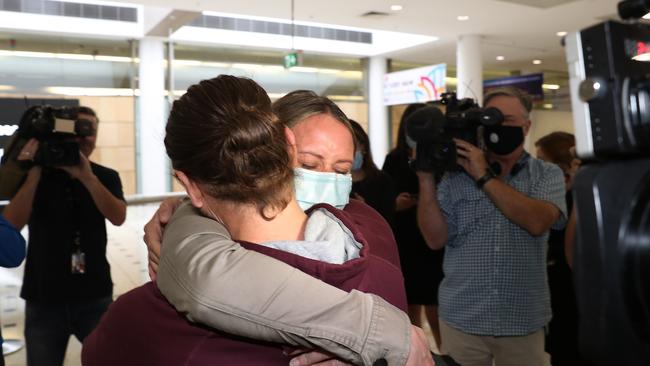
x: 315, y: 358
x: 153, y: 232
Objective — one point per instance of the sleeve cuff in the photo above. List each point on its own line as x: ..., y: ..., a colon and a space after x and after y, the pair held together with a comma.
x: 389, y: 336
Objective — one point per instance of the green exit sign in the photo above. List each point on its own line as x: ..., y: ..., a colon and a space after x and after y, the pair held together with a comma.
x: 291, y: 60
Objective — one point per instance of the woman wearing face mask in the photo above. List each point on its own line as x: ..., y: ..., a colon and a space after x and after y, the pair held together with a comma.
x: 422, y: 267
x: 298, y: 310
x: 249, y: 190
x: 369, y: 184
x: 325, y: 148
x: 562, y: 337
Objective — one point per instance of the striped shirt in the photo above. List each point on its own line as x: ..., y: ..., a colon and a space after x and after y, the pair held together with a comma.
x: 495, y: 272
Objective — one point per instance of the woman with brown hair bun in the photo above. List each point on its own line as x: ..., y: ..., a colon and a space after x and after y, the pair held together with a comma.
x: 235, y: 162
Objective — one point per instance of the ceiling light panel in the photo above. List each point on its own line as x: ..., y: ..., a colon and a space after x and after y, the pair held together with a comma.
x: 381, y: 42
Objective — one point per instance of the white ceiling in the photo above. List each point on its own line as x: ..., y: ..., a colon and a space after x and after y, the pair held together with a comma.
x: 510, y: 28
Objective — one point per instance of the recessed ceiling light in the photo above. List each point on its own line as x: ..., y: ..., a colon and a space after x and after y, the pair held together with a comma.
x: 551, y: 86
x: 500, y: 58
x: 396, y: 7
x: 561, y: 33
x: 647, y: 16
x: 537, y: 62
x: 463, y: 18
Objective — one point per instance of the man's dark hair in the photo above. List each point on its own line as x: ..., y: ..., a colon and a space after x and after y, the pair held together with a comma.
x: 224, y: 135
x: 87, y: 110
x: 557, y: 147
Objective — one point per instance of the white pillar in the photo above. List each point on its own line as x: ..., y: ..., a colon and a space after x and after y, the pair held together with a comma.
x: 469, y: 67
x: 378, y: 128
x: 152, y: 163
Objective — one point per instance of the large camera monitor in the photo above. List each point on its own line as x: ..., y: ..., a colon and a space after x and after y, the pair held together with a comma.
x: 609, y: 70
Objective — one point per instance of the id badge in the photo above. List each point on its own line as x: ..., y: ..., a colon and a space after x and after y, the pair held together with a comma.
x: 78, y: 262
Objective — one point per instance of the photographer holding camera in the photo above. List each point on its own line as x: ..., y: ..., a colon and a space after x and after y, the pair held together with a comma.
x: 67, y: 284
x: 494, y: 219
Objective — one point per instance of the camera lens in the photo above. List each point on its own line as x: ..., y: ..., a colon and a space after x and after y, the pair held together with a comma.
x: 639, y: 113
x: 635, y: 244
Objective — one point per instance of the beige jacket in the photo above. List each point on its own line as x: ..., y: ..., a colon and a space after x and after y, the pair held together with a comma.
x: 215, y: 281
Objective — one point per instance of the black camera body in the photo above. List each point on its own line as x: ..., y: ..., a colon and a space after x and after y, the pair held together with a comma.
x: 610, y: 89
x: 612, y: 262
x: 55, y: 129
x: 610, y: 94
x: 432, y: 132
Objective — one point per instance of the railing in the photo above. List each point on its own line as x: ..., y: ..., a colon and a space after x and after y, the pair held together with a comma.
x: 141, y: 199
x: 136, y: 199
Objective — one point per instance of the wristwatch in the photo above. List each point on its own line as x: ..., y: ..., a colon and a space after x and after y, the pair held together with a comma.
x: 485, y: 178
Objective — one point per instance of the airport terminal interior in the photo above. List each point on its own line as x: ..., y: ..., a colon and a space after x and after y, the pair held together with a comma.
x: 130, y: 60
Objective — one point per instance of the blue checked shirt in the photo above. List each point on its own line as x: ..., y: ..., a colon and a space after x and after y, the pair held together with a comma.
x: 495, y: 272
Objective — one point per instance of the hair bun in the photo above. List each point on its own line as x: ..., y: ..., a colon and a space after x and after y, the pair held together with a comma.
x: 223, y: 134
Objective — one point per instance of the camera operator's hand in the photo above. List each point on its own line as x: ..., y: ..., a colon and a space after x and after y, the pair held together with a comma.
x: 153, y: 232
x: 20, y: 208
x: 82, y: 172
x: 471, y: 158
x: 28, y: 151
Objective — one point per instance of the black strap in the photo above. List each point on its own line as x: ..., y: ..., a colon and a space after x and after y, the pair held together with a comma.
x: 485, y: 178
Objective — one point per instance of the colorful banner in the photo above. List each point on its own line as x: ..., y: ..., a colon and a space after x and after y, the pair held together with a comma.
x: 416, y: 85
x: 531, y: 84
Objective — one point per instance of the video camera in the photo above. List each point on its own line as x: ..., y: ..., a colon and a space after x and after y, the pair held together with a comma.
x: 431, y: 132
x: 609, y: 68
x: 54, y: 129
x: 610, y: 76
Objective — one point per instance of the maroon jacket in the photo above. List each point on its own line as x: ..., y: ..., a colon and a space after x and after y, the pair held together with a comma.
x: 142, y: 328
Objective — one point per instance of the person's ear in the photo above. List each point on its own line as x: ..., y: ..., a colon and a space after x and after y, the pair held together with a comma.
x: 291, y: 146
x: 527, y: 127
x: 192, y: 189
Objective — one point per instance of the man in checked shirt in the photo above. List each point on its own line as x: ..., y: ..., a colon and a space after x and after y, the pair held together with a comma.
x: 494, y: 219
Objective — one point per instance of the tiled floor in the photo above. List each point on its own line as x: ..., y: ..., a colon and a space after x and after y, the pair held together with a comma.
x: 127, y: 255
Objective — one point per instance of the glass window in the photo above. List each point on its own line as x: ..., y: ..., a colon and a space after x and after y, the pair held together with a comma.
x: 95, y: 73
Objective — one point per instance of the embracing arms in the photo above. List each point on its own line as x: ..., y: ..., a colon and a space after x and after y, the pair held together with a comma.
x: 215, y: 281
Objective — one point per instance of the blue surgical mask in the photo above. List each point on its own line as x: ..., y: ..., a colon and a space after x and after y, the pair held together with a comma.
x: 358, y: 161
x: 317, y: 187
